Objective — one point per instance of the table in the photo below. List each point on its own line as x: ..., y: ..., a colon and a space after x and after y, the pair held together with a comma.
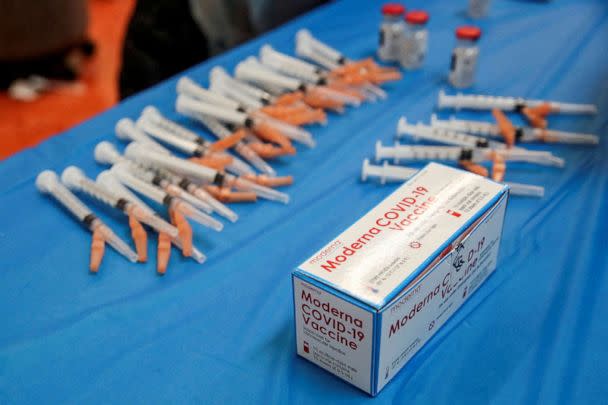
x: 223, y: 332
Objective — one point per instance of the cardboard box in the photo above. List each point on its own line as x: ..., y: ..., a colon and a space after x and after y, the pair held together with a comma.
x: 367, y: 301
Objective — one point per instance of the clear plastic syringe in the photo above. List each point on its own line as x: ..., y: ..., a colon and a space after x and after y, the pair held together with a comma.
x: 48, y: 182
x: 75, y: 179
x: 311, y: 48
x: 481, y: 102
x: 126, y: 131
x: 389, y: 173
x: 238, y: 115
x: 152, y: 122
x: 105, y: 153
x: 457, y: 153
x: 106, y: 179
x: 221, y: 132
x: 141, y: 152
x: 386, y: 173
x: 445, y: 136
x: 522, y: 134
x: 252, y: 70
x: 222, y: 78
x: 123, y: 172
x: 191, y: 148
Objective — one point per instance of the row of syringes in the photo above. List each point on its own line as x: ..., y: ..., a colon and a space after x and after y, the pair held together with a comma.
x: 471, y: 143
x: 255, y: 116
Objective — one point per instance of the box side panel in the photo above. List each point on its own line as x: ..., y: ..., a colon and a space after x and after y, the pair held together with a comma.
x: 334, y: 333
x: 416, y: 314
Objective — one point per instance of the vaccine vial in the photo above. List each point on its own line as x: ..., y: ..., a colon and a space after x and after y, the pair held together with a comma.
x: 391, y: 32
x: 478, y: 8
x: 464, y: 57
x: 415, y: 40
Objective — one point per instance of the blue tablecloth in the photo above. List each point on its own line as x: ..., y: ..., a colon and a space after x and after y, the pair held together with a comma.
x: 222, y: 332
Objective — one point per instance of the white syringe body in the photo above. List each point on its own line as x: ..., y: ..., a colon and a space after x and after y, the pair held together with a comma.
x: 289, y: 65
x: 220, y: 74
x: 139, y: 152
x: 220, y: 131
x: 483, y: 102
x: 445, y: 136
x: 457, y: 153
x: 528, y: 134
x: 179, y: 143
x: 48, y: 182
x: 386, y: 173
x: 187, y: 86
x: 126, y: 130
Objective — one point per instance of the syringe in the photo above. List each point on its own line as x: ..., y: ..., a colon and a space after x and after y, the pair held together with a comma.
x: 307, y: 72
x: 263, y: 128
x: 252, y: 70
x: 106, y: 179
x: 153, y: 123
x: 47, y: 182
x: 445, y: 136
x: 311, y: 48
x: 126, y: 130
x: 141, y: 152
x: 75, y: 179
x: 221, y: 132
x: 386, y: 172
x: 200, y: 153
x: 522, y: 134
x: 236, y: 114
x: 295, y: 112
x: 398, y: 174
x: 105, y: 153
x: 457, y: 153
x: 123, y: 172
x: 481, y: 102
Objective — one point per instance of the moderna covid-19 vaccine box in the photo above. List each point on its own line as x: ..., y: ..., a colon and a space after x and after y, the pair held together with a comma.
x: 367, y: 301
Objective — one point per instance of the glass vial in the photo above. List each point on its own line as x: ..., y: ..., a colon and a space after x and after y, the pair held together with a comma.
x: 464, y: 57
x: 391, y: 32
x: 415, y: 40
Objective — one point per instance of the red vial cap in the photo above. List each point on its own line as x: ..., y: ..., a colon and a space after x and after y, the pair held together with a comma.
x: 393, y: 9
x: 417, y: 17
x: 468, y: 32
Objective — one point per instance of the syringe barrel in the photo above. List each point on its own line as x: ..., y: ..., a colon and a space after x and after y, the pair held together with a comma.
x: 319, y: 47
x: 405, y: 152
x: 98, y: 192
x: 159, y: 133
x: 185, y: 103
x: 253, y: 71
x: 126, y: 130
x: 219, y: 74
x: 140, y: 152
x: 288, y: 65
x: 123, y: 174
x: 188, y: 87
x: 471, y: 127
x: 108, y: 180
x: 71, y: 202
x: 476, y: 102
x: 236, y: 94
x: 152, y: 115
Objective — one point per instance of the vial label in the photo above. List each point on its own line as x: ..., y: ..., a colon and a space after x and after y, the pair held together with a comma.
x: 391, y: 36
x: 413, y: 50
x: 462, y: 69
